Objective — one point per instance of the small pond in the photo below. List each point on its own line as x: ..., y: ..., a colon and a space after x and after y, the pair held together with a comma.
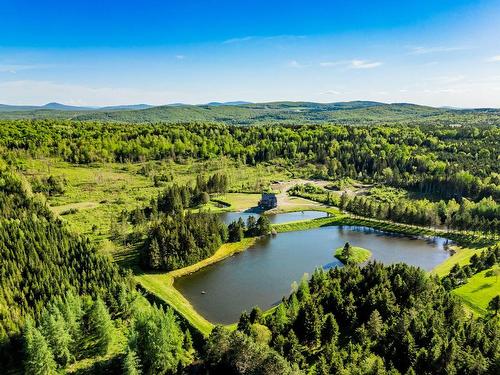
x: 263, y: 274
x: 229, y: 217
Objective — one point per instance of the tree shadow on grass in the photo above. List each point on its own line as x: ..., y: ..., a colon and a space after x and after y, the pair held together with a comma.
x: 482, y: 286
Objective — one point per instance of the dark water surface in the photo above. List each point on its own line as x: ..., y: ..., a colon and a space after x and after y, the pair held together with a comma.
x: 263, y: 274
x: 229, y: 217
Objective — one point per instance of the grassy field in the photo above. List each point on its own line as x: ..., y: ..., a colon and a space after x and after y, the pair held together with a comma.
x: 480, y: 289
x: 462, y: 257
x: 359, y: 255
x: 240, y: 201
x: 95, y: 194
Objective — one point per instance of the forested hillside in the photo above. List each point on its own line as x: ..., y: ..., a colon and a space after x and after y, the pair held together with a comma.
x: 62, y: 302
x: 42, y: 260
x: 349, y: 113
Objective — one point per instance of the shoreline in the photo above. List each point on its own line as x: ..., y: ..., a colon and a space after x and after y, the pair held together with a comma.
x: 162, y: 284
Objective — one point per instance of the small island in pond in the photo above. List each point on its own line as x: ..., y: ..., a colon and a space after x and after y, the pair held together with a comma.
x: 352, y: 254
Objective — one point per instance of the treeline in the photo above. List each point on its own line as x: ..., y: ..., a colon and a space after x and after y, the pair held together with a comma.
x: 176, y: 198
x: 448, y: 162
x: 482, y: 216
x: 177, y: 237
x: 465, y: 214
x: 459, y: 274
x: 375, y: 320
x: 66, y: 326
x: 179, y: 240
x: 238, y: 229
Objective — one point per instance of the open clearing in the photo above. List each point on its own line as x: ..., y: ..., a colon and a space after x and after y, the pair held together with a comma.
x: 480, y: 289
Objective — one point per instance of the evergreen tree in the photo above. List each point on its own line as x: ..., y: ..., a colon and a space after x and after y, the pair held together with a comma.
x: 154, y: 255
x: 494, y: 306
x: 101, y: 326
x: 38, y: 356
x: 251, y: 226
x: 375, y: 325
x: 347, y: 252
x: 308, y: 324
x: 244, y: 324
x: 330, y: 330
x: 263, y: 225
x: 57, y: 334
x: 255, y: 315
x: 131, y: 364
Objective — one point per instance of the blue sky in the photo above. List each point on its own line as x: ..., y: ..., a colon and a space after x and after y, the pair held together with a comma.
x: 122, y: 52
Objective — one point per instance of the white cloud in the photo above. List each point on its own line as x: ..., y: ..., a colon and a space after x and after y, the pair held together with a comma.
x: 14, y: 68
x: 331, y: 63
x: 494, y: 59
x: 238, y: 40
x: 295, y: 64
x: 447, y: 79
x: 364, y: 64
x: 331, y: 92
x: 420, y: 50
x: 41, y: 92
x: 180, y: 57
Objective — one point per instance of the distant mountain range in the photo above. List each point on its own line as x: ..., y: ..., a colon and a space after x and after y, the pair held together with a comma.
x: 246, y: 113
x: 64, y: 107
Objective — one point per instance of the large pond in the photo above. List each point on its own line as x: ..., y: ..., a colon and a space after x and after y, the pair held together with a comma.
x: 229, y: 217
x: 263, y: 274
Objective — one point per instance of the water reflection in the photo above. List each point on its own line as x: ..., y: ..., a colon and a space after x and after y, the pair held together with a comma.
x: 262, y: 275
x: 229, y: 217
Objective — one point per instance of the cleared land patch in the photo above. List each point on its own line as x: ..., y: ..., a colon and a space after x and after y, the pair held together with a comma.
x: 480, y: 289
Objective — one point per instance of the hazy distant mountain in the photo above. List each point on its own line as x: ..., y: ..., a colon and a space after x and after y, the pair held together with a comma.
x: 125, y: 107
x: 63, y: 107
x: 51, y: 106
x: 8, y: 108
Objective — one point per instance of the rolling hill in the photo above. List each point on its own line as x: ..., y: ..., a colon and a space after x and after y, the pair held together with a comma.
x: 238, y: 113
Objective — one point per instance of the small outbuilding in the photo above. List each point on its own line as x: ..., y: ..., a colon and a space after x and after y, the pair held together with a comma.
x: 268, y: 201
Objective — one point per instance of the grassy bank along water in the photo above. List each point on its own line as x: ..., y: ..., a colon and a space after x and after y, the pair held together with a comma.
x: 162, y: 284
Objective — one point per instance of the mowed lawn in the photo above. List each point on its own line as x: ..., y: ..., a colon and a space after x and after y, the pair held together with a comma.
x: 480, y: 289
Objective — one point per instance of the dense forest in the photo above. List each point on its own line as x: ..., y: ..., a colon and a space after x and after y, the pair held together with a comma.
x: 446, y: 162
x: 41, y: 259
x: 177, y: 237
x: 62, y: 301
x: 369, y: 320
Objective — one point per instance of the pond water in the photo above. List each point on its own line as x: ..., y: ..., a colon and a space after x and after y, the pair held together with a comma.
x: 263, y: 274
x: 229, y: 217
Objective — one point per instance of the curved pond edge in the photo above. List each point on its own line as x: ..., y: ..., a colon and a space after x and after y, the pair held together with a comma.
x: 161, y: 285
